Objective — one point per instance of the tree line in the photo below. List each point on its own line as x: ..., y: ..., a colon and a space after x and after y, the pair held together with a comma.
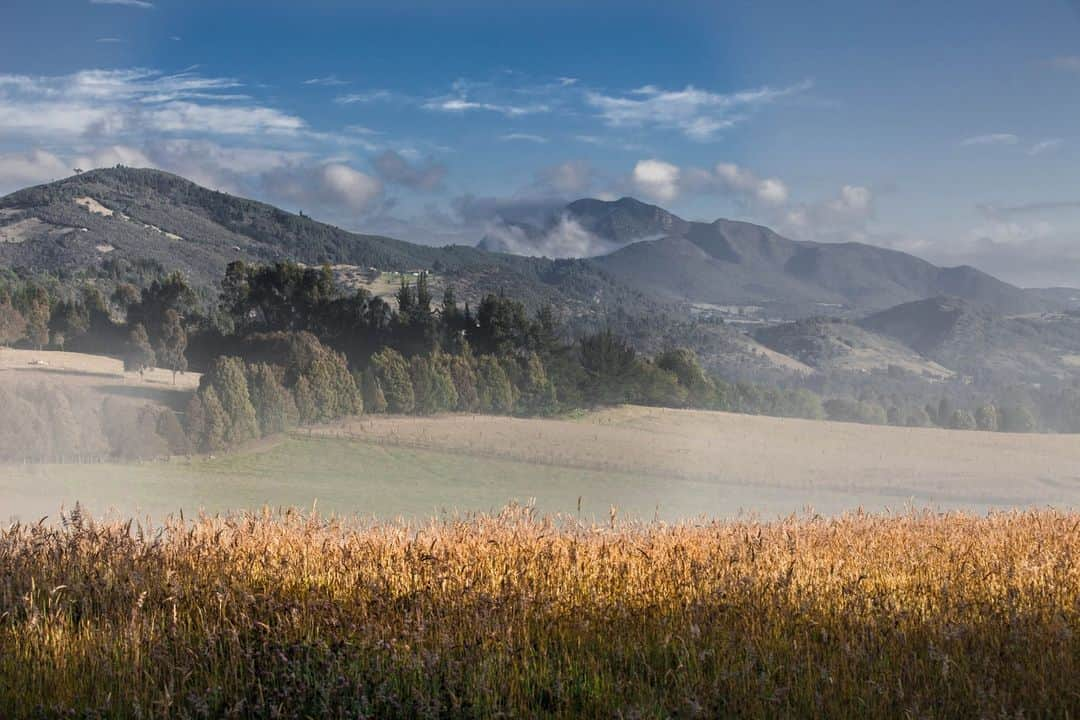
x: 285, y: 345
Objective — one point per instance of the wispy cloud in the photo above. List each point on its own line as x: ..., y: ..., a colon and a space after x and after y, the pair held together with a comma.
x: 109, y: 40
x: 126, y: 3
x: 328, y: 81
x: 698, y: 114
x: 523, y: 137
x: 990, y: 139
x: 110, y: 103
x: 461, y: 105
x: 366, y: 97
x: 394, y: 167
x: 1045, y: 146
x: 1002, y: 211
x: 470, y: 95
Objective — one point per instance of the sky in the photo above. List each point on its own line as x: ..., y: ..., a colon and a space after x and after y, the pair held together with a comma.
x: 948, y: 130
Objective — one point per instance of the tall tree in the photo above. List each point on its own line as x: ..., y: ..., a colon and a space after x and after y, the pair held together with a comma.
x: 173, y: 344
x: 228, y: 378
x: 140, y: 355
x: 493, y: 388
x: 38, y: 314
x: 392, y: 372
x: 12, y: 322
x: 275, y: 408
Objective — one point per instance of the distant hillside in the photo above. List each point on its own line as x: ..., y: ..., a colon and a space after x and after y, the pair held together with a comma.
x: 976, y: 340
x: 103, y: 223
x: 100, y: 221
x: 729, y: 262
x: 112, y: 223
x: 830, y: 344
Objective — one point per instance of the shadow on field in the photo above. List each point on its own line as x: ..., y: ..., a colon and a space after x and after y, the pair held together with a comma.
x: 173, y: 398
x: 37, y: 369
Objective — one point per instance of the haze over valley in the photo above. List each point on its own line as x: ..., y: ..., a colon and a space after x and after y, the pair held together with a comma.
x: 543, y: 360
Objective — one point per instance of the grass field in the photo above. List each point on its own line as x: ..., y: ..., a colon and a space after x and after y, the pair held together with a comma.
x: 104, y: 376
x: 649, y: 463
x: 920, y: 615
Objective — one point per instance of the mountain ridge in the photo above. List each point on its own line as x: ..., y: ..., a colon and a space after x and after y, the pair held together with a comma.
x: 141, y: 215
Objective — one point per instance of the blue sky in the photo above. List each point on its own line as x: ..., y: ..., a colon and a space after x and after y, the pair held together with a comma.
x: 945, y: 131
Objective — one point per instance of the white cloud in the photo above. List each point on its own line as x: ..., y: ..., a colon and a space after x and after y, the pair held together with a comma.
x: 180, y: 117
x: 31, y: 168
x: 524, y: 137
x: 461, y: 105
x: 328, y: 81
x: 657, y: 179
x: 843, y: 218
x: 330, y: 186
x: 366, y: 97
x: 127, y: 3
x: 698, y: 114
x: 990, y: 139
x: 768, y: 191
x: 565, y: 238
x: 1045, y: 146
x: 103, y: 103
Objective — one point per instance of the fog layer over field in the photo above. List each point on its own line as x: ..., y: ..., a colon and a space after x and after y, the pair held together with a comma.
x: 647, y: 462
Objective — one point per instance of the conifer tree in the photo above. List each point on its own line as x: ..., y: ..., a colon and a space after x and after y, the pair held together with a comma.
x: 275, y: 408
x: 173, y: 345
x: 494, y: 391
x: 374, y: 399
x: 306, y: 408
x: 392, y: 371
x: 228, y: 377
x: 216, y: 437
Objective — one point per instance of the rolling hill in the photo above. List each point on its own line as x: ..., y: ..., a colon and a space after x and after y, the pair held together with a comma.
x: 729, y: 262
x: 832, y: 344
x: 977, y: 340
x: 115, y: 223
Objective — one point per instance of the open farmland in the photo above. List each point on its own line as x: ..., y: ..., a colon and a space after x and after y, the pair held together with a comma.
x: 647, y: 462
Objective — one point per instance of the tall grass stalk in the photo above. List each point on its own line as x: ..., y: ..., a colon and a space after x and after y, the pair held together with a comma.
x: 291, y: 615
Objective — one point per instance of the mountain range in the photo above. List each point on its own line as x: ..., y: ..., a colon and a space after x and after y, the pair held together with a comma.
x: 661, y: 271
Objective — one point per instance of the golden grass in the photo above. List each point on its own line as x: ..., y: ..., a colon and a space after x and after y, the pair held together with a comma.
x: 919, y: 615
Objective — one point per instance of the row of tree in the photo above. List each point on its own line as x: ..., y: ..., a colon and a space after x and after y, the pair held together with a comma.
x: 416, y: 358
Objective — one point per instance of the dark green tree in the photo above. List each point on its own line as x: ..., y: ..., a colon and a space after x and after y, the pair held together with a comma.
x: 172, y: 347
x: 274, y: 406
x: 374, y: 399
x: 227, y: 376
x: 495, y: 393
x: 392, y: 372
x: 139, y: 356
